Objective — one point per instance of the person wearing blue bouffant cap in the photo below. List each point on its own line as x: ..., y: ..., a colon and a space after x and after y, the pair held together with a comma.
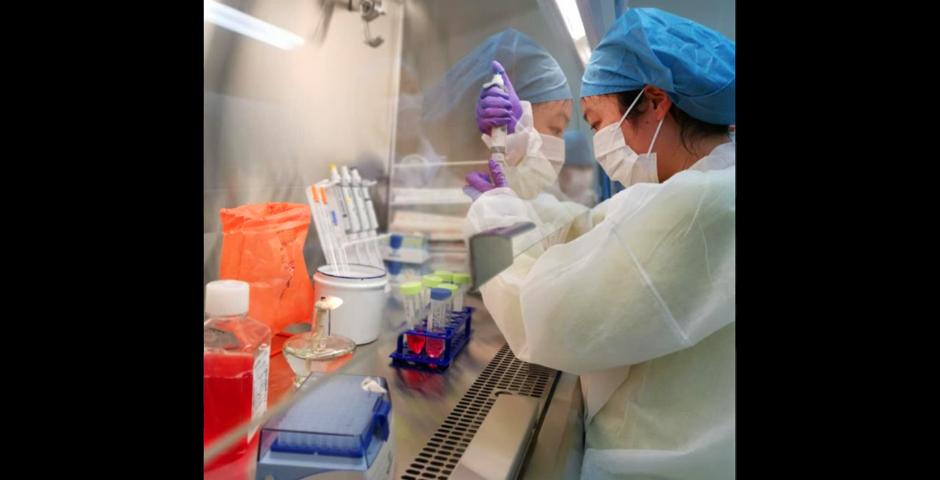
x: 642, y: 305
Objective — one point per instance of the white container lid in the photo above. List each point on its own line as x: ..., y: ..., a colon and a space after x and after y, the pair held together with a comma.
x: 226, y: 298
x: 352, y: 271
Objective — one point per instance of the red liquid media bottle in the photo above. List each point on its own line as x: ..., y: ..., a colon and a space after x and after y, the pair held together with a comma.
x: 236, y: 351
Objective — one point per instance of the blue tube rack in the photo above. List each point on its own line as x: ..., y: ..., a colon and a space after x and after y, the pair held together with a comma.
x: 455, y: 334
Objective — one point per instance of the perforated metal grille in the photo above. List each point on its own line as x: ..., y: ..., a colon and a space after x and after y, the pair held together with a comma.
x: 504, y: 373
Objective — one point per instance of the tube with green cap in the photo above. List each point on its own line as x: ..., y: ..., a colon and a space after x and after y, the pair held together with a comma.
x: 462, y: 280
x: 411, y: 299
x: 446, y: 277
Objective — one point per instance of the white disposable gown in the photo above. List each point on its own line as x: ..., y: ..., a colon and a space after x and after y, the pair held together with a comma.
x: 642, y: 306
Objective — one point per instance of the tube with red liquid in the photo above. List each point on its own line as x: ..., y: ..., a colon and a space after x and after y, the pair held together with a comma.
x: 437, y: 320
x: 411, y: 299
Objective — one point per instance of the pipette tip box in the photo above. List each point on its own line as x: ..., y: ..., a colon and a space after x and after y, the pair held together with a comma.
x: 340, y: 424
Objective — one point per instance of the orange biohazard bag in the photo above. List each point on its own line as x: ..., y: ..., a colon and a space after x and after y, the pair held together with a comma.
x: 263, y: 245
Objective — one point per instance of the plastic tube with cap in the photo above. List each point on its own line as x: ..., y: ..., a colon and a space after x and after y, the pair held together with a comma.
x: 411, y: 301
x: 462, y: 280
x: 427, y: 283
x: 395, y: 241
x: 450, y: 287
x: 439, y: 311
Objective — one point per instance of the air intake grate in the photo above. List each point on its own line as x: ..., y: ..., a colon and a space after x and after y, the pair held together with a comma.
x: 504, y: 373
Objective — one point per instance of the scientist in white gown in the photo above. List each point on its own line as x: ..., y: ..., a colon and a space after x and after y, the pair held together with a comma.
x: 641, y: 305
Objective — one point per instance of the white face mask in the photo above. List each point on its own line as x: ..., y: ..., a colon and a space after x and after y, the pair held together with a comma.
x: 534, y: 174
x: 619, y: 160
x: 578, y: 184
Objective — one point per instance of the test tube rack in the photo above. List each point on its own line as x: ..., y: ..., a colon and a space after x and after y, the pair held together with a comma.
x: 455, y: 336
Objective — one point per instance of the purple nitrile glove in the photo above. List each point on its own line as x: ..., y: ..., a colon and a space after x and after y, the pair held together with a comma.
x: 497, y: 108
x: 479, y: 182
x: 471, y: 192
x: 499, y: 178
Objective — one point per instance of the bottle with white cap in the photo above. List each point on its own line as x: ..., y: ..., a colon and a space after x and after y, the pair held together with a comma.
x: 236, y: 351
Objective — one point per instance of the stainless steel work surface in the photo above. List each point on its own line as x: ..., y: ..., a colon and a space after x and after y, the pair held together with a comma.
x: 422, y: 400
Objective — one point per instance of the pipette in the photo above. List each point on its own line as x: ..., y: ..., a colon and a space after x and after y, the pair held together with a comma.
x: 497, y: 134
x: 336, y: 227
x: 316, y: 212
x: 367, y: 213
x: 342, y: 191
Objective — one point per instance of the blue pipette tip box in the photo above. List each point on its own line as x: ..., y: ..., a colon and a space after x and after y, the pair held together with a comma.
x: 336, y: 425
x: 455, y: 335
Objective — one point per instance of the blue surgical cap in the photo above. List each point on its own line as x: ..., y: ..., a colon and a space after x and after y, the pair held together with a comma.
x: 647, y: 46
x: 578, y: 150
x: 450, y: 105
x: 534, y: 73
